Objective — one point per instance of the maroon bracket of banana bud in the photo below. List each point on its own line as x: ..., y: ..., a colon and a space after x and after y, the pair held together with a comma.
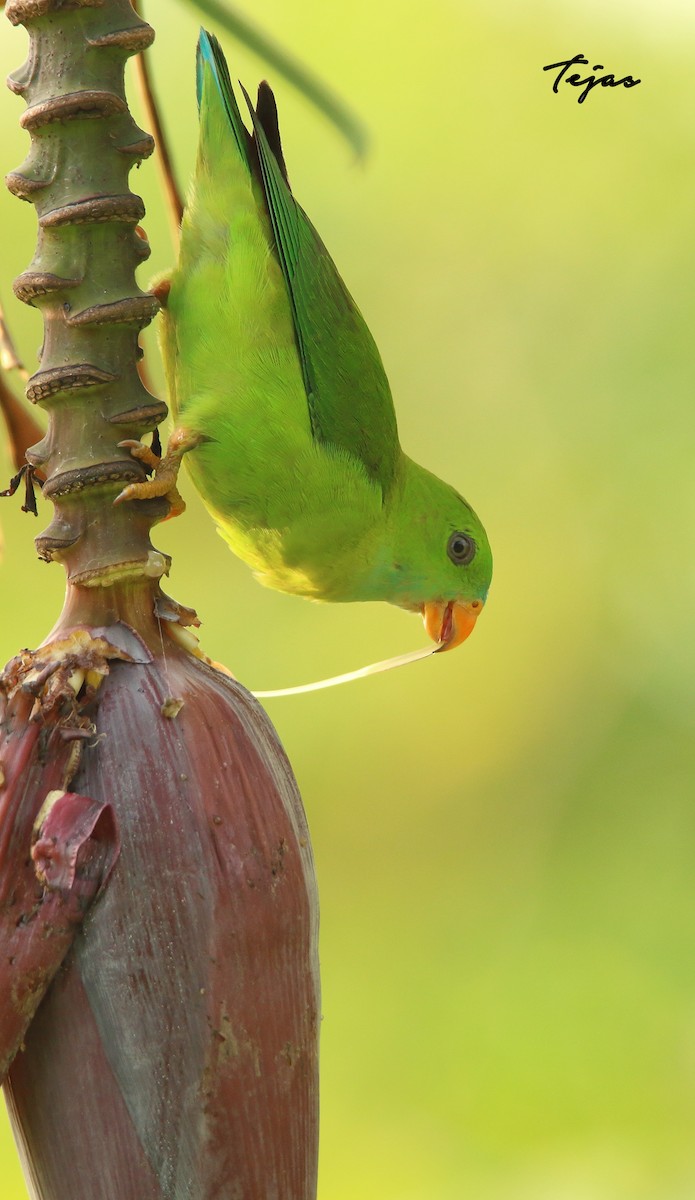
x: 43, y: 903
x: 53, y: 861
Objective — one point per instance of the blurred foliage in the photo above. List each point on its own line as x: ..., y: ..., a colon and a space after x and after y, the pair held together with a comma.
x: 276, y: 57
x: 504, y: 835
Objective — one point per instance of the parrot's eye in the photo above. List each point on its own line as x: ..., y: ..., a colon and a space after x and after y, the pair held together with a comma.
x: 461, y: 549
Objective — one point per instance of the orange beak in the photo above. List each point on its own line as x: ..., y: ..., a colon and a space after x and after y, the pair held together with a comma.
x: 450, y: 624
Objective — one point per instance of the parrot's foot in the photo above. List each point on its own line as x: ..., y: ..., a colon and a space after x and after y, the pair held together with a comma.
x: 166, y: 470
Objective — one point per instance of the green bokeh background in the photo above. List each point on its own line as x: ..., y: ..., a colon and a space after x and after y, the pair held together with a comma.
x: 505, y: 835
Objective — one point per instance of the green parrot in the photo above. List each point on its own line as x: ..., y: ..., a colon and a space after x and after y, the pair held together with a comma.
x: 281, y: 402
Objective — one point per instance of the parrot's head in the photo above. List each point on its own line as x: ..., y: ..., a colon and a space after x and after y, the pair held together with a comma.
x: 441, y: 557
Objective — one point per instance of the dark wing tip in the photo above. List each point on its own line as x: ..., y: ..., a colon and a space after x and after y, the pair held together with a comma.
x: 267, y: 114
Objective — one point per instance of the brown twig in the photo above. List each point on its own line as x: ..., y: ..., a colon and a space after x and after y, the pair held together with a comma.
x: 9, y: 358
x: 23, y: 431
x: 172, y: 193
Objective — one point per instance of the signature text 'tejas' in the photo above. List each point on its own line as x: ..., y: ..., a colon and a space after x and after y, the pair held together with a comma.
x: 591, y: 81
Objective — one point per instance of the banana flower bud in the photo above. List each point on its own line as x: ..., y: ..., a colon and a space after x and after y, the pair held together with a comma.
x: 175, y: 1054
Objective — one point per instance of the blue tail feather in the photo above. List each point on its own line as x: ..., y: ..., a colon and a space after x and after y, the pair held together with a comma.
x: 210, y: 56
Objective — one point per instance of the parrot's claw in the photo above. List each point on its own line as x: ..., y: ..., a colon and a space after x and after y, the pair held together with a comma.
x: 166, y: 470
x: 142, y: 452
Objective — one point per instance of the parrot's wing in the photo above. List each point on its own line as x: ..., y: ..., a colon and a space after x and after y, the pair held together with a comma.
x: 348, y: 394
